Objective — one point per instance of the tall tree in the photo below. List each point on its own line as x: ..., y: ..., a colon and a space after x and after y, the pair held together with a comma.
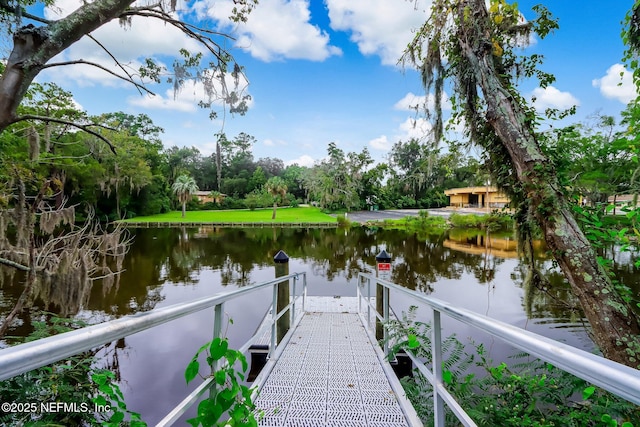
x: 35, y: 46
x: 278, y: 189
x: 184, y: 187
x: 473, y: 45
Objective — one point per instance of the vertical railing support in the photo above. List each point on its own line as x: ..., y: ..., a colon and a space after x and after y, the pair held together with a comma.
x: 359, y: 293
x: 383, y: 271
x: 293, y: 303
x: 385, y: 297
x: 274, y: 315
x: 281, y: 260
x: 217, y: 332
x: 369, y: 301
x: 304, y: 292
x: 436, y: 352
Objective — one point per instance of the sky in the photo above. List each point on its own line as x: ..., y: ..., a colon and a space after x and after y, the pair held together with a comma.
x: 327, y: 71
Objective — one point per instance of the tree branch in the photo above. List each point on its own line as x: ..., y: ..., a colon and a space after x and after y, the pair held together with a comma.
x: 127, y: 79
x: 85, y: 128
x: 22, y: 13
x: 119, y: 66
x: 13, y: 264
x: 190, y: 30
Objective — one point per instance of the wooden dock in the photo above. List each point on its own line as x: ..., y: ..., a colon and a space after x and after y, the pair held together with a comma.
x: 331, y: 372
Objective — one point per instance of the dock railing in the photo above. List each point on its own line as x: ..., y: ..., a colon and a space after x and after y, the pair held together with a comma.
x: 614, y: 377
x: 26, y: 357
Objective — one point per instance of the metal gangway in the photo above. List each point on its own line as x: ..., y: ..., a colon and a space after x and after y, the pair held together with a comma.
x: 305, y: 322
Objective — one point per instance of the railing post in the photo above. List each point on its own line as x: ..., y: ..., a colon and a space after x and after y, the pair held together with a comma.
x: 436, y: 352
x: 274, y: 314
x: 358, y: 293
x: 304, y: 291
x: 217, y: 331
x: 383, y: 266
x: 385, y: 345
x: 292, y: 318
x: 282, y: 269
x: 369, y: 302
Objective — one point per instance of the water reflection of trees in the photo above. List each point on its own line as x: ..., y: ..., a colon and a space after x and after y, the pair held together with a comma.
x: 420, y: 260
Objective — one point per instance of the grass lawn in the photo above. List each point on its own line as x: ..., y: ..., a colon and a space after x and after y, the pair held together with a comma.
x: 284, y: 215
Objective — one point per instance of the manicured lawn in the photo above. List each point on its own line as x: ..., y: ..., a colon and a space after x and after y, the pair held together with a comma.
x: 234, y: 216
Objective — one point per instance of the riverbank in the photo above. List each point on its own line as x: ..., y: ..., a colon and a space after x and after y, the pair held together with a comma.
x: 258, y: 217
x: 285, y: 216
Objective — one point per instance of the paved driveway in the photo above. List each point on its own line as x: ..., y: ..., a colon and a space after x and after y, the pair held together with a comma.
x: 364, y: 216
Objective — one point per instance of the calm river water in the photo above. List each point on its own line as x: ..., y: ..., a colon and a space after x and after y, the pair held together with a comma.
x: 166, y: 266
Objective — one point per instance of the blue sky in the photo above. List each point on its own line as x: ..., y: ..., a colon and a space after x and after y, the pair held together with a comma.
x: 325, y: 71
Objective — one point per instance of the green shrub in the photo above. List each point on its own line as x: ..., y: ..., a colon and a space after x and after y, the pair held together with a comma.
x: 77, y: 382
x: 465, y: 221
x: 528, y: 393
x: 343, y: 221
x: 228, y: 398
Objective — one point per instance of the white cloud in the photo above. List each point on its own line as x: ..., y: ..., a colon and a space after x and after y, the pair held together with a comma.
x: 304, y: 160
x: 276, y: 29
x: 186, y: 99
x: 379, y: 27
x: 411, y: 128
x: 415, y: 128
x: 411, y: 101
x: 381, y: 143
x: 128, y: 45
x: 272, y: 143
x: 550, y: 97
x: 617, y: 84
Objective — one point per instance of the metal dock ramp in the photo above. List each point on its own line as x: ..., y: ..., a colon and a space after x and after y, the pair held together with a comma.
x: 324, y: 373
x: 331, y: 372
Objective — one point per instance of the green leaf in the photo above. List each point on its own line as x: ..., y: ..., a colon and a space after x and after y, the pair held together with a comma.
x: 220, y: 376
x: 231, y: 356
x: 117, y: 417
x: 99, y: 379
x: 209, y: 412
x: 446, y: 376
x: 192, y: 370
x: 587, y: 392
x: 243, y: 361
x: 412, y: 341
x: 106, y: 389
x: 100, y: 400
x: 138, y: 423
x: 218, y: 348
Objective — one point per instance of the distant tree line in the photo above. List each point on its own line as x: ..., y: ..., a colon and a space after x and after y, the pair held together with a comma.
x: 137, y: 176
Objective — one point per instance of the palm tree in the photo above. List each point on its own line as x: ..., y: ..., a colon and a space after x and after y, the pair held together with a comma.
x: 184, y: 187
x: 276, y: 187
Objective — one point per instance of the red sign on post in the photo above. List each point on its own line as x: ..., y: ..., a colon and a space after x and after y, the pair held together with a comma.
x: 384, y: 266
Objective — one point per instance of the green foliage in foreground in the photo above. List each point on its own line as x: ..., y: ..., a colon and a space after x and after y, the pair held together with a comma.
x: 229, y: 403
x: 493, y: 221
x: 285, y: 215
x: 82, y: 394
x: 528, y: 393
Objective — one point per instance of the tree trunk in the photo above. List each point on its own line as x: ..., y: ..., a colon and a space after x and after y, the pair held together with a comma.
x: 218, y: 166
x: 275, y: 207
x: 615, y: 326
x: 34, y: 46
x: 184, y: 209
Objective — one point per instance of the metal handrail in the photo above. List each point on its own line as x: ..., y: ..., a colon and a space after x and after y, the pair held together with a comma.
x: 32, y: 355
x: 619, y: 379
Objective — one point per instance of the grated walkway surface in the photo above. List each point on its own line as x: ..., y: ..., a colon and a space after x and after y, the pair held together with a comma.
x: 329, y: 375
